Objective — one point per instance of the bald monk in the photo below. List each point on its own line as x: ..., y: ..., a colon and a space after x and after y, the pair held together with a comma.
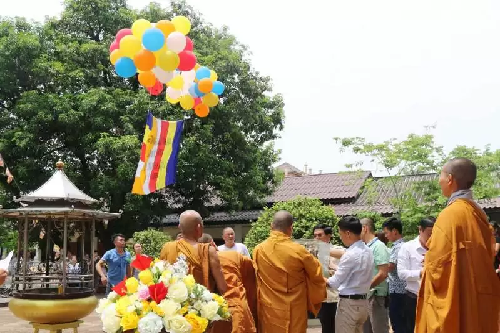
x: 203, y: 260
x: 238, y: 271
x: 289, y: 281
x: 459, y: 290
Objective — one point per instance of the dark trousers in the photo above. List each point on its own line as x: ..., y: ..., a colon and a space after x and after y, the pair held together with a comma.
x: 327, y: 316
x: 397, y: 312
x: 410, y: 312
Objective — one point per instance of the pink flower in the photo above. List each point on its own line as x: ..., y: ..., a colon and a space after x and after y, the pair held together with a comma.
x: 144, y: 293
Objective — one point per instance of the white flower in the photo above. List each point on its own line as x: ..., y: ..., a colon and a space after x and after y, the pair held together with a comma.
x: 111, y: 323
x: 150, y: 323
x: 138, y: 306
x: 207, y: 296
x: 178, y: 292
x: 160, y: 265
x: 169, y: 307
x: 113, y: 296
x: 165, y: 278
x: 131, y: 308
x: 209, y: 310
x: 102, y: 305
x: 177, y: 324
x: 198, y: 305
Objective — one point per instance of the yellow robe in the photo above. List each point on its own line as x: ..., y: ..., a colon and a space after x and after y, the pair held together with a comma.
x: 198, y: 260
x: 459, y: 288
x: 289, y: 284
x: 236, y: 273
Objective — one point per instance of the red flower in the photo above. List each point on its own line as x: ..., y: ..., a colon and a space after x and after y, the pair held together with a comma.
x: 141, y: 262
x: 120, y: 288
x: 158, y: 292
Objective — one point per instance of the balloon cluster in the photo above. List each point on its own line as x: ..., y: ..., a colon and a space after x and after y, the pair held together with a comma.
x: 162, y: 54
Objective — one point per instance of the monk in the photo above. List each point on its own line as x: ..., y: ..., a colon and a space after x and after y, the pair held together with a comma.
x: 238, y: 271
x: 203, y: 260
x: 289, y: 280
x: 459, y: 291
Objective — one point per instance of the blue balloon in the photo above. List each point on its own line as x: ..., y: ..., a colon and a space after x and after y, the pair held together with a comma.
x: 202, y: 73
x: 218, y: 87
x: 125, y: 67
x: 198, y: 92
x: 153, y: 39
x: 192, y: 90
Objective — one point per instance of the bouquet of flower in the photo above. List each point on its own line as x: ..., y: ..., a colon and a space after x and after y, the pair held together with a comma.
x: 164, y: 298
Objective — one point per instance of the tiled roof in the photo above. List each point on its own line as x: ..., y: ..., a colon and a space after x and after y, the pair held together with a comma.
x: 216, y: 217
x: 335, y: 186
x: 288, y: 168
x: 489, y: 203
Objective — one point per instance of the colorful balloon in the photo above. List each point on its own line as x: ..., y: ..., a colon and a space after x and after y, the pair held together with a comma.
x: 189, y: 44
x: 139, y: 27
x: 115, y: 45
x: 211, y: 99
x: 147, y: 79
x: 125, y: 67
x: 205, y: 85
x: 213, y: 75
x: 203, y: 72
x: 156, y: 89
x: 122, y: 33
x: 115, y: 55
x: 187, y: 60
x: 217, y: 87
x: 173, y: 101
x: 177, y: 82
x: 168, y: 61
x: 176, y: 42
x: 130, y: 45
x: 166, y: 26
x: 197, y: 101
x: 188, y: 76
x: 182, y: 24
x: 163, y: 76
x: 187, y: 102
x: 145, y: 60
x: 202, y: 110
x: 153, y: 39
x: 174, y: 94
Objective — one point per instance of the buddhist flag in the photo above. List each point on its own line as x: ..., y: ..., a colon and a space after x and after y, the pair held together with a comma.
x: 158, y: 162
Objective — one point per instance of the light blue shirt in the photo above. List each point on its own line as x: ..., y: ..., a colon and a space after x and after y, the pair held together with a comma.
x: 117, y: 265
x: 355, y: 270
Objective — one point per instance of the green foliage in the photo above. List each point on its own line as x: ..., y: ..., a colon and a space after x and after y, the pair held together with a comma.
x: 60, y: 98
x: 376, y: 217
x: 8, y: 235
x: 152, y: 241
x: 307, y: 213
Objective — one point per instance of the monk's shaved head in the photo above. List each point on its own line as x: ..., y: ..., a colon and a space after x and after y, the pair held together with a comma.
x: 282, y: 221
x: 189, y: 222
x: 206, y: 238
x: 464, y: 172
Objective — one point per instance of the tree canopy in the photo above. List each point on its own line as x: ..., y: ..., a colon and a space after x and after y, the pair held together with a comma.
x: 60, y: 99
x: 151, y: 241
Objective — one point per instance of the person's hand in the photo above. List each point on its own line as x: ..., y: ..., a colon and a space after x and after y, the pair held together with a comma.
x: 3, y: 276
x: 326, y: 281
x: 104, y: 280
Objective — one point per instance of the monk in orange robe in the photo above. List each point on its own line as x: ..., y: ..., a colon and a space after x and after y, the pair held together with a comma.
x: 203, y: 261
x: 289, y: 281
x: 459, y: 289
x: 238, y: 271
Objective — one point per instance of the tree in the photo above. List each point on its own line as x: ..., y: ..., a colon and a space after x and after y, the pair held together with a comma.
x: 60, y: 98
x: 152, y: 241
x: 307, y: 213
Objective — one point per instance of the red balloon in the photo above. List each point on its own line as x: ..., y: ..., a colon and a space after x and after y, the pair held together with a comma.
x: 122, y: 33
x: 189, y: 44
x: 198, y: 100
x: 187, y: 60
x: 114, y: 46
x: 156, y: 89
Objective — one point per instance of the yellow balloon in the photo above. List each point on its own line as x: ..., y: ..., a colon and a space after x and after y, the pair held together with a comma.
x: 177, y: 82
x: 213, y: 76
x: 173, y: 101
x: 187, y: 102
x: 197, y: 66
x: 139, y: 27
x: 168, y: 61
x: 130, y: 45
x: 211, y: 100
x: 182, y: 24
x: 162, y: 50
x: 115, y: 55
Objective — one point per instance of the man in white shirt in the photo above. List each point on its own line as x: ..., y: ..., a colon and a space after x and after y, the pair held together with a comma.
x: 352, y: 278
x: 230, y: 244
x: 409, y: 266
x: 327, y: 314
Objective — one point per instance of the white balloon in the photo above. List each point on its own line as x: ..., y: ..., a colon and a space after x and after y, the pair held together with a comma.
x: 174, y: 93
x: 189, y: 76
x: 176, y: 42
x: 163, y: 76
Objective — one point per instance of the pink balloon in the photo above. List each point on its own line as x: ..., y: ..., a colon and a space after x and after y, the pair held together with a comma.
x: 198, y: 100
x: 189, y: 44
x: 122, y: 33
x: 157, y: 89
x: 114, y: 46
x: 187, y: 60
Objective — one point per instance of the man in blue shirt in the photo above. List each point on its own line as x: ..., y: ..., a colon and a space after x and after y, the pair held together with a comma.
x: 118, y: 262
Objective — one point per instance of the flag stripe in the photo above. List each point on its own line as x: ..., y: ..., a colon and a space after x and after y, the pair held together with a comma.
x: 153, y: 140
x: 172, y: 165
x: 164, y: 127
x: 169, y: 140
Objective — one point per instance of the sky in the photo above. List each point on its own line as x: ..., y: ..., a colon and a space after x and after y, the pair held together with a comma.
x: 356, y: 68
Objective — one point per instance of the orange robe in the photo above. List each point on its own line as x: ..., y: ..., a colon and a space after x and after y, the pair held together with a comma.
x: 241, y: 285
x: 198, y: 260
x: 459, y: 288
x: 289, y: 284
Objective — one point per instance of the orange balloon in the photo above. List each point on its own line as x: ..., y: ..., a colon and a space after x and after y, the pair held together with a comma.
x: 166, y: 27
x: 201, y: 110
x: 147, y: 79
x: 205, y: 85
x: 145, y: 60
